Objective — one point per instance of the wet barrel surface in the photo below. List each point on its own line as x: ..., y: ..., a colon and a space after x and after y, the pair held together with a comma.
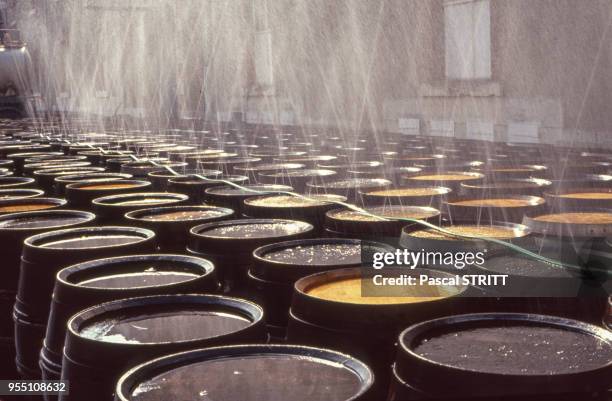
x: 94, y: 282
x: 43, y: 256
x: 230, y: 373
x: 230, y: 244
x: 510, y: 355
x: 117, y: 335
x: 172, y: 224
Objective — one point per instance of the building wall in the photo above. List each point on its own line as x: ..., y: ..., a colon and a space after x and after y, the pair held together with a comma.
x: 356, y: 64
x: 551, y: 66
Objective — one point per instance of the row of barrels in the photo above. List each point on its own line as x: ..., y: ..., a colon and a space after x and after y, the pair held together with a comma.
x: 275, y: 276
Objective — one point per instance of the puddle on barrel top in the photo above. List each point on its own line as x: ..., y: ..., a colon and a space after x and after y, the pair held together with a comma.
x: 168, y: 326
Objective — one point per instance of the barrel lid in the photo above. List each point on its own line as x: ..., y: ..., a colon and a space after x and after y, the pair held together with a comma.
x: 446, y: 177
x: 195, y: 179
x: 433, y: 239
x: 29, y: 204
x: 138, y: 199
x: 19, y: 193
x: 516, y: 264
x: 352, y: 184
x: 289, y: 260
x: 356, y: 222
x: 65, y: 168
x: 59, y: 171
x: 359, y: 165
x: 247, y: 234
x: 498, y: 201
x: 91, y: 241
x: 578, y: 222
x: 92, y: 176
x: 41, y: 162
x: 510, y: 208
x: 229, y: 161
x: 163, y: 173
x: 270, y: 167
x: 126, y: 273
x: 337, y: 376
x: 6, y: 163
x: 355, y: 286
x: 507, y: 354
x: 179, y: 214
x: 163, y: 319
x: 247, y: 190
x: 517, y: 185
x: 26, y: 155
x: 43, y: 220
x: 407, y: 193
x: 306, y: 173
x: 6, y: 182
x: 304, y: 158
x: 283, y: 201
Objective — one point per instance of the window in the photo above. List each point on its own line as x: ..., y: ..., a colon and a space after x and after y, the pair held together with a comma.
x: 467, y: 29
x: 264, y: 76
